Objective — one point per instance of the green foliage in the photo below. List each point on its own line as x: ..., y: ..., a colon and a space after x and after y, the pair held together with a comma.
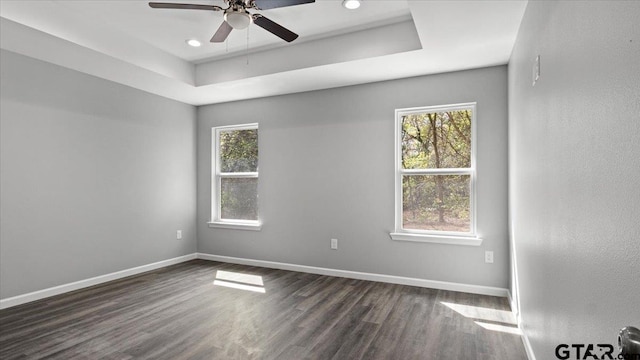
x: 428, y: 206
x: 239, y: 153
x: 438, y: 140
x: 239, y: 198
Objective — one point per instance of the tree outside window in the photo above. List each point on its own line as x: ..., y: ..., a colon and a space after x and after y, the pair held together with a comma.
x: 235, y: 181
x: 435, y: 170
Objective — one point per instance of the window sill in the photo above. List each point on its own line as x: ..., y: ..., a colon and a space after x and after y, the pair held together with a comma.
x: 437, y: 239
x: 254, y: 226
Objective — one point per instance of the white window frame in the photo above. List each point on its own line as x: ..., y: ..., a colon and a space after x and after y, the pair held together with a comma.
x: 216, y: 180
x: 434, y: 236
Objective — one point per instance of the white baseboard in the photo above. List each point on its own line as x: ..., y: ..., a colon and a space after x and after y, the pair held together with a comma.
x: 527, y: 345
x: 525, y: 339
x: 510, y: 300
x: 433, y: 284
x: 514, y: 307
x: 61, y: 289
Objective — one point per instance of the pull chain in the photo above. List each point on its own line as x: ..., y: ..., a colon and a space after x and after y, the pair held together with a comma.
x: 248, y: 44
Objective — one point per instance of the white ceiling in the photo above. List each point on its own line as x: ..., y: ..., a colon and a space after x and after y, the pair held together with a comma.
x: 130, y: 43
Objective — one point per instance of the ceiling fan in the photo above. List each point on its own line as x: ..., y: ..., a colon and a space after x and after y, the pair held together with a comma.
x: 237, y: 16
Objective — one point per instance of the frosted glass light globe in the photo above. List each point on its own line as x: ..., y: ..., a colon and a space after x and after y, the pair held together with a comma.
x: 237, y: 19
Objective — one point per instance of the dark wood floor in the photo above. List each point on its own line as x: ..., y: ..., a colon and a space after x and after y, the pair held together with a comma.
x: 179, y: 313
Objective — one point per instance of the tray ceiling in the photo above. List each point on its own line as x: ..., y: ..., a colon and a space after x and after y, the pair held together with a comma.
x: 130, y: 43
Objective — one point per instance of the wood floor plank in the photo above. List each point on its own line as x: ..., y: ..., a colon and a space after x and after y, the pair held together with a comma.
x: 181, y: 312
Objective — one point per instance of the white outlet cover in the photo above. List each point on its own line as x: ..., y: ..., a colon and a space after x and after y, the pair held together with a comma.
x: 179, y: 234
x: 488, y: 257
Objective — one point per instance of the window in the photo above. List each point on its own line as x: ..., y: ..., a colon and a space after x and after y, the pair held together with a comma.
x: 435, y: 174
x: 234, y: 185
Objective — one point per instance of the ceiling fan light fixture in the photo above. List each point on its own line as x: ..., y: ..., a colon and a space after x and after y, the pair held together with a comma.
x: 351, y: 4
x: 238, y: 19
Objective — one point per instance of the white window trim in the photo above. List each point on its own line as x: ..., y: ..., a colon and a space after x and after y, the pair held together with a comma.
x: 433, y: 236
x: 217, y: 175
x: 239, y: 225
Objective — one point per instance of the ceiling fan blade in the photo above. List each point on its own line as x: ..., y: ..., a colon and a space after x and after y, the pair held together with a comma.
x: 223, y: 31
x: 274, y: 28
x: 157, y: 5
x: 272, y: 4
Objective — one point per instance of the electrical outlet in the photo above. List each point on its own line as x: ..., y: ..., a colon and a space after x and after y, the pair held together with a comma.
x: 179, y: 234
x: 488, y: 257
x: 334, y: 244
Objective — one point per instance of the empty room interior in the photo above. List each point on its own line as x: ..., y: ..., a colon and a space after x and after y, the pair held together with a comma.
x: 328, y: 179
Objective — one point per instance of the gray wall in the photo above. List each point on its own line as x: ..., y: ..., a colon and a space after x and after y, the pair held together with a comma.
x: 327, y: 171
x: 96, y: 177
x: 574, y: 171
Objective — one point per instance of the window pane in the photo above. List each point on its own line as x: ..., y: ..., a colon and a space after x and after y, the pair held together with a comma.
x: 437, y: 140
x: 436, y: 202
x: 239, y: 198
x: 239, y: 150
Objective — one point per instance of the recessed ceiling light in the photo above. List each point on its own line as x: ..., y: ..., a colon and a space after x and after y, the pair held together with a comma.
x: 193, y: 42
x: 351, y: 4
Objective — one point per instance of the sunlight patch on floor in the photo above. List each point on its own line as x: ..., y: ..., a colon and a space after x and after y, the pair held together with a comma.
x: 489, y: 319
x: 500, y: 328
x: 239, y: 277
x: 480, y: 313
x: 239, y: 281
